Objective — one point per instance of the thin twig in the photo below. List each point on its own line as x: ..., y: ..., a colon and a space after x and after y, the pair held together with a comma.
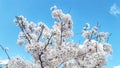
x: 5, y: 51
x: 40, y: 33
x: 69, y: 10
x: 25, y: 35
x: 48, y: 42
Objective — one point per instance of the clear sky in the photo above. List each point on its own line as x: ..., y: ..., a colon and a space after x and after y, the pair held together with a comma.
x: 106, y: 12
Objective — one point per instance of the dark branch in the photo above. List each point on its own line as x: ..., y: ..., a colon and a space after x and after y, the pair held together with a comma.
x: 40, y: 33
x: 26, y: 36
x: 98, y: 25
x: 69, y: 10
x: 48, y: 42
x: 5, y: 51
x: 108, y: 37
x: 41, y: 60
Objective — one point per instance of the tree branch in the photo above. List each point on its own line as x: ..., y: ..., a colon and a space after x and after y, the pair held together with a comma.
x: 5, y: 51
x: 40, y: 33
x: 22, y: 27
x: 25, y: 35
x: 48, y: 42
x: 41, y: 60
x: 61, y: 29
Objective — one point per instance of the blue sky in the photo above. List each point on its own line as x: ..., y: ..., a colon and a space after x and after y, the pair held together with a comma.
x: 82, y: 11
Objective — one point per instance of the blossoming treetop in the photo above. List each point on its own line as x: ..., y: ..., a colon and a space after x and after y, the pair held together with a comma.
x: 50, y: 48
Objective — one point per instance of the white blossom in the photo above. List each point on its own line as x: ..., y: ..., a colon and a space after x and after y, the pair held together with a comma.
x: 107, y: 48
x: 87, y: 25
x: 20, y: 41
x: 53, y: 8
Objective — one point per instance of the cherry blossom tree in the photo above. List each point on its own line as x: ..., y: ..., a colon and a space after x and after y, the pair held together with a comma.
x: 51, y: 47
